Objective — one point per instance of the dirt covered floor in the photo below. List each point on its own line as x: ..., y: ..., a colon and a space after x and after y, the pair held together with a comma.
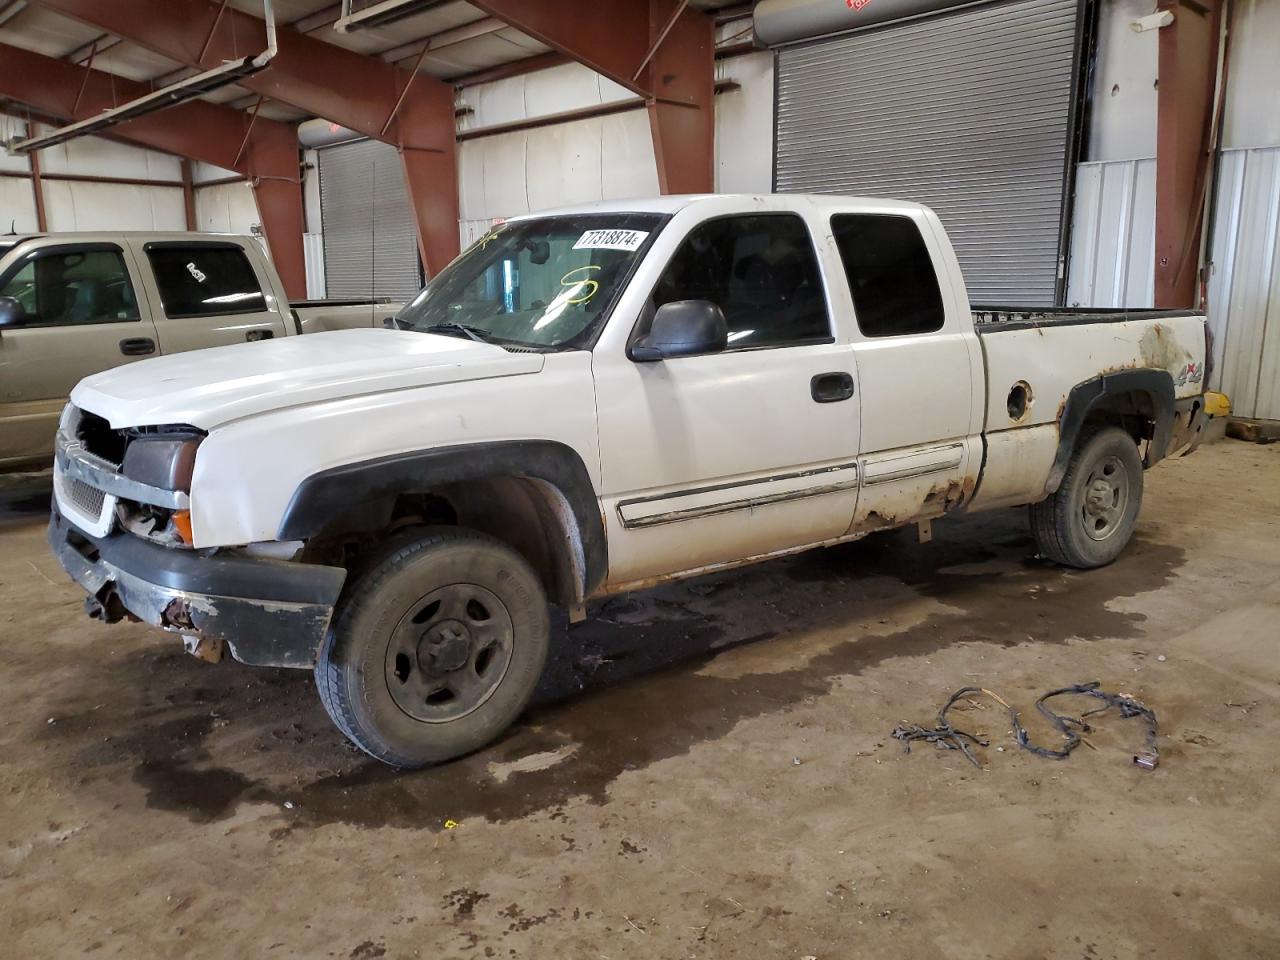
x: 708, y: 772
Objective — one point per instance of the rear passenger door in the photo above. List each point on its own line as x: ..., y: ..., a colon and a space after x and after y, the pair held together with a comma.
x: 82, y: 317
x: 919, y: 367
x: 209, y: 293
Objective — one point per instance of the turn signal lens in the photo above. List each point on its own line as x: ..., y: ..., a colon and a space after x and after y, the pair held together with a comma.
x: 182, y: 524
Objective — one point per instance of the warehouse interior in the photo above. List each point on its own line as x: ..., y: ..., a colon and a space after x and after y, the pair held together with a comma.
x: 707, y: 768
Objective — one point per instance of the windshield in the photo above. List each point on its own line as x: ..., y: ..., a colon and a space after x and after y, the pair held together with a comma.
x: 545, y: 282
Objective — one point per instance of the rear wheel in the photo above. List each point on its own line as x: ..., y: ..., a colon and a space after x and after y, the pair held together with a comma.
x: 1090, y: 518
x: 436, y: 650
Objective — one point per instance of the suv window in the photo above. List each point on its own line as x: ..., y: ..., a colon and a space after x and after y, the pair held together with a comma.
x: 199, y: 280
x: 890, y: 274
x: 72, y: 288
x: 761, y: 271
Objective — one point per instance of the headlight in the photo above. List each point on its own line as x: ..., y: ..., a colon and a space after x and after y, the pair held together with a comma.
x: 166, y: 462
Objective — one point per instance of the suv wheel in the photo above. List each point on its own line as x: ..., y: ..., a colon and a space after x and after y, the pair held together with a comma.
x: 436, y: 649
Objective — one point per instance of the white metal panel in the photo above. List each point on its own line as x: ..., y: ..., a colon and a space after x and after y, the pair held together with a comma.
x: 569, y: 86
x: 600, y: 158
x: 1244, y: 285
x: 96, y: 157
x: 1122, y: 116
x: 966, y: 111
x: 226, y: 208
x: 76, y: 205
x: 17, y: 206
x: 202, y: 172
x: 1252, y: 117
x: 1113, y: 233
x: 313, y: 255
x: 744, y: 125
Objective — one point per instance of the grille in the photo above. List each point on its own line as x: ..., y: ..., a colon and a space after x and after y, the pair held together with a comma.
x: 99, y: 439
x: 86, y: 499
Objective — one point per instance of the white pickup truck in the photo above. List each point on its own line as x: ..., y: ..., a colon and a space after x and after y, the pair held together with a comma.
x: 72, y: 304
x: 591, y: 401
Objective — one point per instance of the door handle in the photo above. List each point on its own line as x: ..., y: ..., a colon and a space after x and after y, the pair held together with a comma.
x: 831, y: 387
x: 253, y: 336
x: 137, y: 346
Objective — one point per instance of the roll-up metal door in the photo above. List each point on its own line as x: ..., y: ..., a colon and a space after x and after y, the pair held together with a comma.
x: 967, y: 111
x: 370, y: 246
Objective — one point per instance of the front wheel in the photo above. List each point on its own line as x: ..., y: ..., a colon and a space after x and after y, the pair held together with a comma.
x: 1090, y: 518
x: 436, y: 650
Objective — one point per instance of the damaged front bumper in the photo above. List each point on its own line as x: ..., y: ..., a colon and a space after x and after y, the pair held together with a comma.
x: 270, y: 613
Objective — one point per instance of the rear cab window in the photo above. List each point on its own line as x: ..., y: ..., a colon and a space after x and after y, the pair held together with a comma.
x: 205, y: 279
x: 72, y: 286
x: 891, y: 276
x: 761, y: 270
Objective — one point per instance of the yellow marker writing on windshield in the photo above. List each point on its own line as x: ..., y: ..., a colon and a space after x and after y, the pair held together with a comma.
x: 593, y: 285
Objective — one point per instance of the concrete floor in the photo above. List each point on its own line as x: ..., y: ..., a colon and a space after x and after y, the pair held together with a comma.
x: 709, y: 772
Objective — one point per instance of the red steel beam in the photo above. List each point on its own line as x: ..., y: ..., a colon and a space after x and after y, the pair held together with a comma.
x: 673, y: 49
x: 196, y: 130
x: 1188, y: 62
x: 351, y: 89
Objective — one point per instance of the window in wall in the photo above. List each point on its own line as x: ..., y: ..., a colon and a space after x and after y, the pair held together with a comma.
x: 205, y: 280
x: 80, y: 287
x: 761, y: 271
x: 890, y: 274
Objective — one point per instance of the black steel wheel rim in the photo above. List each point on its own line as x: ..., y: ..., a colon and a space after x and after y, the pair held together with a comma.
x: 449, y: 652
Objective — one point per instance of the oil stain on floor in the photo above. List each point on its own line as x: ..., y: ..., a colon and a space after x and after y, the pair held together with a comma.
x: 626, y: 689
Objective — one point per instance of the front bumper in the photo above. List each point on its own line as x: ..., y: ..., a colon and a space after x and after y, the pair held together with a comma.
x: 269, y: 613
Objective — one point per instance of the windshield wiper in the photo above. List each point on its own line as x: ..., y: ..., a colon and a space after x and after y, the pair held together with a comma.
x: 475, y: 333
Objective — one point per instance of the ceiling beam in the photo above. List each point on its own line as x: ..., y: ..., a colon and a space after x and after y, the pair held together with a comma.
x: 411, y: 111
x: 197, y: 130
x: 663, y: 50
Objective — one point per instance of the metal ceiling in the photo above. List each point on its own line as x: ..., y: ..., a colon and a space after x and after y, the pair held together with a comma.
x: 461, y: 40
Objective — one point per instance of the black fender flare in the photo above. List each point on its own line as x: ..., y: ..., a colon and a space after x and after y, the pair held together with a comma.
x: 1085, y: 397
x: 324, y: 495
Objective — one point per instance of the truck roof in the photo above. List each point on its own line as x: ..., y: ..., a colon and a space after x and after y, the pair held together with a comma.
x: 96, y: 236
x: 763, y: 201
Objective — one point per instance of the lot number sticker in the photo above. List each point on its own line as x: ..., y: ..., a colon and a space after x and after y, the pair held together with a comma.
x: 611, y: 240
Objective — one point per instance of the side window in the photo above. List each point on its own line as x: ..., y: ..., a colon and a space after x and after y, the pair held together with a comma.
x: 890, y: 273
x: 205, y: 280
x: 74, y: 288
x: 760, y: 270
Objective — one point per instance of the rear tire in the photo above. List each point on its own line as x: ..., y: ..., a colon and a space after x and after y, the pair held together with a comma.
x: 436, y: 648
x: 1091, y: 516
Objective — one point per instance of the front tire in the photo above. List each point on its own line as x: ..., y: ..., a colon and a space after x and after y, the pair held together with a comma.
x: 1090, y: 518
x: 436, y: 649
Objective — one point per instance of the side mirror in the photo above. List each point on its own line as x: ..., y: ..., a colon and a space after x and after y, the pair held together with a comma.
x: 12, y: 313
x: 683, y: 328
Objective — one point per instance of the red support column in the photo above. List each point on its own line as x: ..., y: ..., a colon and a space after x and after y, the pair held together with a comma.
x: 1187, y: 72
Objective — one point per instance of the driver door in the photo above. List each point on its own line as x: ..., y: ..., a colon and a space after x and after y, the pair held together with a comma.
x: 716, y: 458
x: 82, y: 318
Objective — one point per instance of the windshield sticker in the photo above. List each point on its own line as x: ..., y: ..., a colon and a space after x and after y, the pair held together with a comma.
x: 629, y: 240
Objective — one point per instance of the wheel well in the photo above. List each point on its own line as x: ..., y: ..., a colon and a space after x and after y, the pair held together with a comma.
x: 1134, y: 411
x: 530, y: 515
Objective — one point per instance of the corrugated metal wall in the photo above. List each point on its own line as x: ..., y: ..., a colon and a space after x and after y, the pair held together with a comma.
x: 1113, y: 231
x: 370, y: 241
x: 1244, y: 287
x: 967, y: 111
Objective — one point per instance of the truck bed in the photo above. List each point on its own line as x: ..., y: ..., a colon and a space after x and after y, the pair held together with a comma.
x: 993, y: 318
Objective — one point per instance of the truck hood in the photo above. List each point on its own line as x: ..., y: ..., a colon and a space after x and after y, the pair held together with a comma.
x: 206, y: 388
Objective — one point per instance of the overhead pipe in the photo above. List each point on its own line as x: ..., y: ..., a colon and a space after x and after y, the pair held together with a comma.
x: 190, y: 88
